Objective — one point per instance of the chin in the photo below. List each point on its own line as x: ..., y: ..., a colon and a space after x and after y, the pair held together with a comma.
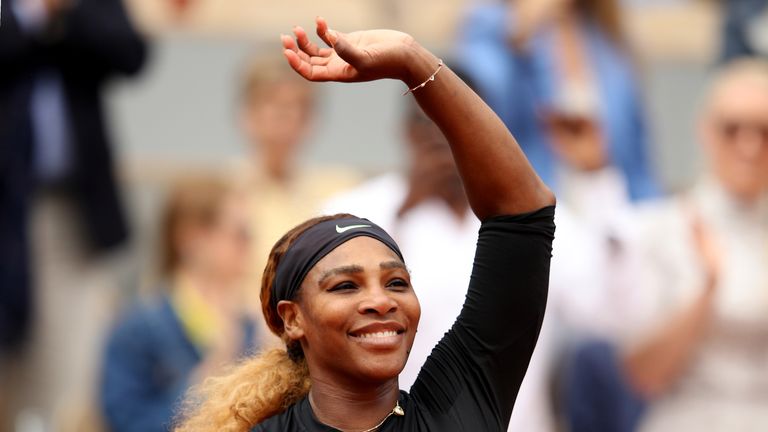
x: 381, y: 370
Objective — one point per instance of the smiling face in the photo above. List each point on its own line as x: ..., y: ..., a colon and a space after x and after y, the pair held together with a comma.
x: 356, y: 313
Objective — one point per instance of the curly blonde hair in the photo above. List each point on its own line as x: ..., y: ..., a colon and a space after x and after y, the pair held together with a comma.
x: 259, y: 387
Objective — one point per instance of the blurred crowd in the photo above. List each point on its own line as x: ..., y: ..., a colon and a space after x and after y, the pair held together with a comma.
x: 658, y: 305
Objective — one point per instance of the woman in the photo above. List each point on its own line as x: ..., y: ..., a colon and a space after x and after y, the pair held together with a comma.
x: 559, y: 74
x: 337, y: 291
x: 197, y: 324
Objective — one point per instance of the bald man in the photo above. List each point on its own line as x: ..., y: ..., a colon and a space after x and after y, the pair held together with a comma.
x: 700, y: 358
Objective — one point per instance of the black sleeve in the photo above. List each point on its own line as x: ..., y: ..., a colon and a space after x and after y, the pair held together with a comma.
x: 17, y: 49
x: 480, y: 363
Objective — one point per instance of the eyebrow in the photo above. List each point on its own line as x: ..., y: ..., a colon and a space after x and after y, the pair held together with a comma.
x: 348, y: 269
x: 389, y: 265
x: 356, y: 269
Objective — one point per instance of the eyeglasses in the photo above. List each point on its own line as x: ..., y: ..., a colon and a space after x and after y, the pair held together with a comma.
x: 731, y: 130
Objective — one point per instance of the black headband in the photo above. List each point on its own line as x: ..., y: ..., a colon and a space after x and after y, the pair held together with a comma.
x: 315, y: 243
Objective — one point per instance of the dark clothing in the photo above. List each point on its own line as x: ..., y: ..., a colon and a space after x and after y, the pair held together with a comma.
x: 471, y: 379
x: 147, y: 364
x: 736, y: 22
x: 598, y: 397
x: 84, y: 46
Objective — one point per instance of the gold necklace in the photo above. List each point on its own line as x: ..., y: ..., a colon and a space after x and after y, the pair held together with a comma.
x: 397, y: 410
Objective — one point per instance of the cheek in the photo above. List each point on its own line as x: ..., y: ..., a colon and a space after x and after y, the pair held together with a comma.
x: 412, y: 308
x: 323, y: 316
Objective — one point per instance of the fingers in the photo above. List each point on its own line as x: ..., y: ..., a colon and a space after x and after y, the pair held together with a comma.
x: 343, y: 48
x: 290, y: 44
x: 328, y: 36
x: 305, y: 69
x: 302, y: 67
x: 308, y: 47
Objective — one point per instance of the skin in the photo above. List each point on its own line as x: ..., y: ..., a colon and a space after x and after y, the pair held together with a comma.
x: 498, y: 180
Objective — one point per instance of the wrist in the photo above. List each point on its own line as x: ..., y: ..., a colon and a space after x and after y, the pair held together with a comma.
x: 420, y: 64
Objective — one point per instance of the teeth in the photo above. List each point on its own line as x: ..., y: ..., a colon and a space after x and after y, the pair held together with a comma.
x: 378, y: 334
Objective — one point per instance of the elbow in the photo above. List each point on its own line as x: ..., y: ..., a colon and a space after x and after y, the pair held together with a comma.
x: 514, y: 203
x: 547, y: 197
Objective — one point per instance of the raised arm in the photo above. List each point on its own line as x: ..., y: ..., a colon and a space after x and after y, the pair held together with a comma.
x: 497, y: 177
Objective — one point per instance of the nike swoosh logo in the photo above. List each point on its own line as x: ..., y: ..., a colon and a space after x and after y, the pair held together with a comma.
x: 347, y: 228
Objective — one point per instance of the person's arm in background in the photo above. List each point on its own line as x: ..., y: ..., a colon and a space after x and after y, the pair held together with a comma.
x: 654, y: 365
x: 497, y: 176
x: 483, y: 52
x: 97, y: 37
x: 19, y: 45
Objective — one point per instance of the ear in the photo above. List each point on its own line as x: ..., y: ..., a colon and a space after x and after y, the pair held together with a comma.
x: 293, y: 320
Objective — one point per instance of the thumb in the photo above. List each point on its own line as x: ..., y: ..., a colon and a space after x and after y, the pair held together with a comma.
x: 346, y: 50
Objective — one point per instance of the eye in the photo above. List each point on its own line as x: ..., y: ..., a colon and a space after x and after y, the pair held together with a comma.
x: 398, y: 284
x: 343, y: 286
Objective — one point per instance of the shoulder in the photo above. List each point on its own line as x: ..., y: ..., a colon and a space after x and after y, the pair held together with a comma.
x: 139, y: 320
x: 285, y: 421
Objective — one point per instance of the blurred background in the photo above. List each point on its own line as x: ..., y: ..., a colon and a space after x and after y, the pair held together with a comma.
x: 197, y: 97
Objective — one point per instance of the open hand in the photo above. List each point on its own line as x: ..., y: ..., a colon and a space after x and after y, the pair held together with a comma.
x: 707, y: 246
x: 353, y: 57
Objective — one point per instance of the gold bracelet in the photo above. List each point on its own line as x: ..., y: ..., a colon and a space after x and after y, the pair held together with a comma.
x: 431, y: 78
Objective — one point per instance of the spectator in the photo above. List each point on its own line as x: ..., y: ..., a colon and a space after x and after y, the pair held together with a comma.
x: 57, y: 56
x: 57, y: 183
x: 197, y: 324
x: 276, y: 114
x: 560, y: 66
x: 698, y: 361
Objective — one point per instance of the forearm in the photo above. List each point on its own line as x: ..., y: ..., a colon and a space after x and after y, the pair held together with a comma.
x: 497, y: 176
x: 656, y: 364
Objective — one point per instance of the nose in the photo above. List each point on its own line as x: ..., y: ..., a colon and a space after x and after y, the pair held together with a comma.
x: 379, y: 301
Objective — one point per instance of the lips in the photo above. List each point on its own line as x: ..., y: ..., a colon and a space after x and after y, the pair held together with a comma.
x: 379, y: 335
x: 378, y: 328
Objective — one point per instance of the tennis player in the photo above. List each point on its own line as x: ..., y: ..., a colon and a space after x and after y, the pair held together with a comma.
x: 337, y: 291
